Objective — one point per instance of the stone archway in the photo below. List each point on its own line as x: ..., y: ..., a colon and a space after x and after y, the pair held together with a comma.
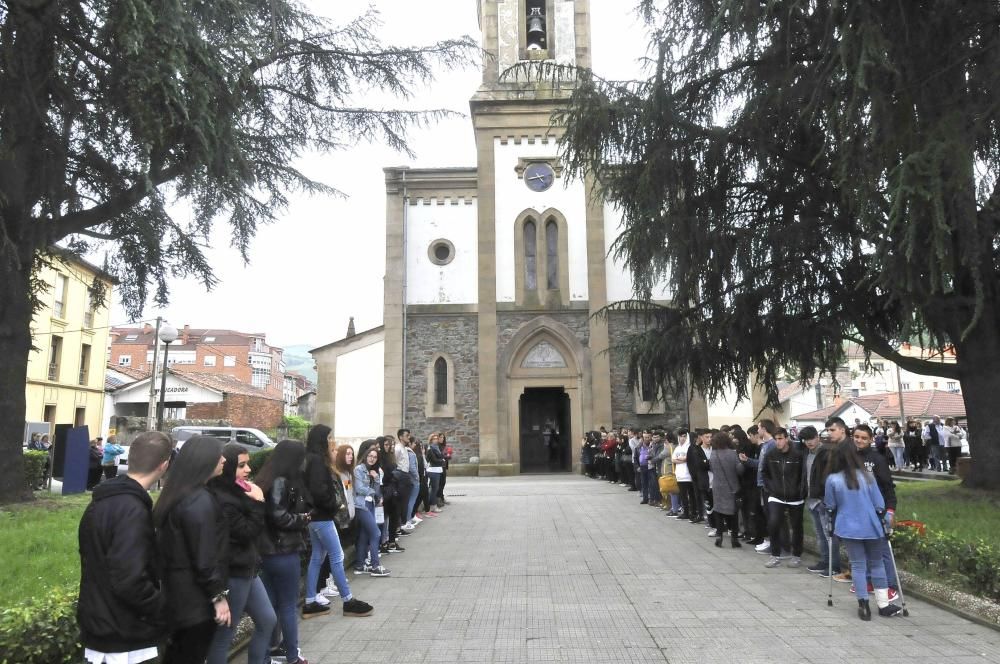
x: 543, y: 355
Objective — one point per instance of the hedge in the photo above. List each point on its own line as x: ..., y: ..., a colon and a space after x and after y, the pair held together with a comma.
x: 41, y: 630
x: 35, y: 462
x: 257, y: 460
x: 975, y: 565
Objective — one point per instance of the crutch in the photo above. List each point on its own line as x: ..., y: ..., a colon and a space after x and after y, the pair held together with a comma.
x: 899, y: 581
x: 828, y: 526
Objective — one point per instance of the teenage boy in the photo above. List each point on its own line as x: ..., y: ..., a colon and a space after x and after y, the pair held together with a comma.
x: 765, y: 434
x: 817, y: 470
x: 784, y: 480
x: 121, y: 600
x: 697, y: 463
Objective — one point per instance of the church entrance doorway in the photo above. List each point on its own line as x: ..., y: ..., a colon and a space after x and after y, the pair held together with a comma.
x: 545, y: 435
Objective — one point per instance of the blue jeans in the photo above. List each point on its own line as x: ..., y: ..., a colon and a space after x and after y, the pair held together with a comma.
x: 934, y: 454
x: 819, y: 525
x: 432, y: 496
x: 412, y: 502
x: 866, y: 559
x: 890, y: 570
x: 245, y: 594
x: 675, y: 502
x: 323, y: 535
x: 898, y: 455
x: 281, y: 579
x: 369, y: 535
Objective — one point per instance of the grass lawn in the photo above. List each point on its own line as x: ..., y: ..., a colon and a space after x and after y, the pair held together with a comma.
x: 947, y: 507
x: 38, y: 546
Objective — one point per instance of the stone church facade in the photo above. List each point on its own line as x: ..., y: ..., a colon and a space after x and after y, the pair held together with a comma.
x: 494, y: 274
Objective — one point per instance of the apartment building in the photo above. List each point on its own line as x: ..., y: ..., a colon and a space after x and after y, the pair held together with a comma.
x: 70, y: 332
x: 245, y: 356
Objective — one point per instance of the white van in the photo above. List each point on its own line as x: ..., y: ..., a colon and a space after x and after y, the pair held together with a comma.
x: 252, y: 440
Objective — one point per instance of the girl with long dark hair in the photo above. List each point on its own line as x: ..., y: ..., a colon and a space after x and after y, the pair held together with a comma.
x: 367, y: 497
x: 193, y: 539
x: 326, y: 503
x: 726, y: 472
x: 854, y: 498
x: 242, y: 505
x: 390, y: 497
x: 287, y: 518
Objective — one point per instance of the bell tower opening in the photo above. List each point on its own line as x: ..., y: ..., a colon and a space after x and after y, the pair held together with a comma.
x: 536, y: 26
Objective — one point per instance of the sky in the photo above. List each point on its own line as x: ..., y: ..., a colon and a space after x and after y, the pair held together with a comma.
x: 323, y: 261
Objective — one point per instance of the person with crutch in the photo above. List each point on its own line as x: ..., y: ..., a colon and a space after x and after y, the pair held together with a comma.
x: 877, y: 465
x: 853, y: 496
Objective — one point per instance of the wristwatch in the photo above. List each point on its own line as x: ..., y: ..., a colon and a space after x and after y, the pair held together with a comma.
x: 221, y: 596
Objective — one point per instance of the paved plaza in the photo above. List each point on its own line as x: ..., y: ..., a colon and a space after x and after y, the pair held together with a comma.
x: 567, y: 569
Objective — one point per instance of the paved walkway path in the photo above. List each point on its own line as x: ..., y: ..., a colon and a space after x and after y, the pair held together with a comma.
x: 566, y: 569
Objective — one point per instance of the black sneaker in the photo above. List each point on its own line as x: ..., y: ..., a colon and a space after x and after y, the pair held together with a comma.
x: 404, y: 533
x: 889, y: 611
x: 380, y: 571
x: 312, y: 609
x: 817, y: 568
x: 824, y: 574
x: 395, y: 548
x: 357, y: 609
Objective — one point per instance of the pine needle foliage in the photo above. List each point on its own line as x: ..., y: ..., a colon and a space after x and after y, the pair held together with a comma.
x: 803, y: 173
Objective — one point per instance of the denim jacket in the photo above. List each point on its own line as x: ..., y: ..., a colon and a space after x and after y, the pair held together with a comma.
x: 365, y: 487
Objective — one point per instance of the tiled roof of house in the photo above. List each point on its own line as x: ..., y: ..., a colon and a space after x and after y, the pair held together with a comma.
x: 922, y: 404
x: 218, y: 382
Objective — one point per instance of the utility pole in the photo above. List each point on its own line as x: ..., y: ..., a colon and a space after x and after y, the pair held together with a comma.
x: 151, y: 413
x: 899, y: 390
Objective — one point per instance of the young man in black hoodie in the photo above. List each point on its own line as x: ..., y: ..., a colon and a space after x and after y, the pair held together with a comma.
x: 785, y: 483
x: 121, y: 600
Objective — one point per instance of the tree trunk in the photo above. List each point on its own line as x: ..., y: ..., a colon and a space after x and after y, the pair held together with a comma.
x: 15, y: 344
x: 979, y: 367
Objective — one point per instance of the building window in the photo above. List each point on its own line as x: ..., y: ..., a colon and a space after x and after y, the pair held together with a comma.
x: 921, y: 385
x: 855, y: 392
x: 260, y: 377
x: 878, y: 366
x: 208, y: 340
x: 258, y: 345
x: 80, y: 418
x: 864, y: 385
x: 131, y: 337
x: 440, y: 387
x: 124, y: 360
x: 552, y: 254
x: 935, y: 385
x: 441, y: 252
x: 905, y: 386
x: 229, y: 361
x: 952, y: 386
x: 530, y: 256
x: 209, y: 360
x: 49, y: 414
x: 84, y: 363
x: 59, y: 306
x: 55, y: 355
x: 648, y: 400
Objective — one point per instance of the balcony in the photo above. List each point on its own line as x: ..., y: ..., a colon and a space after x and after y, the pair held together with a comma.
x: 53, y: 372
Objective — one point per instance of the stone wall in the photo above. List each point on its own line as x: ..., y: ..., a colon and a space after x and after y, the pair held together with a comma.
x: 623, y: 400
x: 458, y: 336
x: 508, y: 323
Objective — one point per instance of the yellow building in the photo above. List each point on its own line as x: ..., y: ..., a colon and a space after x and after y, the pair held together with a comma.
x: 69, y: 333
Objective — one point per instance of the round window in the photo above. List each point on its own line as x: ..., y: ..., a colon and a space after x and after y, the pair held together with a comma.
x: 441, y: 252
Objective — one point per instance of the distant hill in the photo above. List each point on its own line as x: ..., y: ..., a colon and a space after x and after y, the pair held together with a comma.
x: 298, y: 359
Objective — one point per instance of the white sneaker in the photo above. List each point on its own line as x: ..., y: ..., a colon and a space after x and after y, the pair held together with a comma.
x: 321, y: 600
x: 408, y: 527
x: 794, y: 561
x: 712, y: 532
x: 415, y: 520
x: 763, y: 547
x: 330, y: 591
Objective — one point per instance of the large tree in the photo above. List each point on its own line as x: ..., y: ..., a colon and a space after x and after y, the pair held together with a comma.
x: 805, y: 173
x: 112, y: 111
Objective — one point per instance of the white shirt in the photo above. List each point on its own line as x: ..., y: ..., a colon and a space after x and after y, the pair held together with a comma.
x: 133, y: 657
x: 681, y: 472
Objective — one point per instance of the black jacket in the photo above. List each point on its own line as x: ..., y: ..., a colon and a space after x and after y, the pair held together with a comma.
x: 286, y: 509
x: 877, y: 464
x: 697, y: 463
x: 121, y: 606
x: 785, y: 474
x: 816, y: 485
x: 323, y: 497
x: 435, y: 458
x: 244, y: 519
x: 194, y: 542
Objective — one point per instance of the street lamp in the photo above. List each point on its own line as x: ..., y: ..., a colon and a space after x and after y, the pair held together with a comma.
x: 168, y: 335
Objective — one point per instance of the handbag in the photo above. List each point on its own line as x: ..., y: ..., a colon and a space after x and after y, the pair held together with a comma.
x: 668, y: 484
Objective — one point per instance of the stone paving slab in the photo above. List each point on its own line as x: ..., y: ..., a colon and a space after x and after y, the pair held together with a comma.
x: 567, y: 569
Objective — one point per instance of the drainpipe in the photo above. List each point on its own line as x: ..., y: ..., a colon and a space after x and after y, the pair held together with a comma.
x: 406, y: 212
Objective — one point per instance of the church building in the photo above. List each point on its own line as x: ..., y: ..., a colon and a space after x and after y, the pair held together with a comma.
x: 494, y: 273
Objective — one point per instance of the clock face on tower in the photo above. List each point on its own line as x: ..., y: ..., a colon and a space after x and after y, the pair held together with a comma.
x: 539, y: 176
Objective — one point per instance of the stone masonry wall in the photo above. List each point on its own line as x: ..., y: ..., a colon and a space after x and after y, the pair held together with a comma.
x: 509, y: 323
x: 620, y: 325
x: 458, y: 336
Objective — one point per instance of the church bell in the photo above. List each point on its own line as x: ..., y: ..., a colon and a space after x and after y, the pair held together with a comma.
x: 536, y: 29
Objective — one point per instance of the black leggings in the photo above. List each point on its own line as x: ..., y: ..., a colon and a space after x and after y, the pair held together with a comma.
x: 724, y: 522
x: 953, y: 454
x: 190, y: 644
x: 687, y: 498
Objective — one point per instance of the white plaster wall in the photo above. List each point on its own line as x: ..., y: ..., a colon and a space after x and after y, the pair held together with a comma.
x: 177, y: 390
x: 513, y: 198
x: 619, y: 278
x: 456, y: 282
x: 727, y: 411
x: 358, y: 400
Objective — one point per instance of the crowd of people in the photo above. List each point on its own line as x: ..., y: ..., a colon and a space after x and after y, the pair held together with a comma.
x: 756, y: 486
x: 173, y: 580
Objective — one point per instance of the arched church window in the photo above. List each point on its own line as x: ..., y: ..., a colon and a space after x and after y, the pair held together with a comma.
x: 440, y: 382
x: 552, y: 254
x: 530, y: 256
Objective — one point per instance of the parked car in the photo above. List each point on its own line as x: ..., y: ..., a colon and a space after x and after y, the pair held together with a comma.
x: 252, y: 440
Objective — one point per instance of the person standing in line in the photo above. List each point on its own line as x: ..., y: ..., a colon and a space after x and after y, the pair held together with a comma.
x: 765, y: 434
x: 954, y: 435
x: 404, y: 480
x: 242, y: 505
x: 367, y: 498
x: 726, y: 471
x: 435, y: 469
x: 95, y: 454
x: 697, y: 463
x: 784, y: 481
x: 121, y: 603
x: 324, y: 499
x: 194, y: 541
x: 683, y: 475
x: 422, y: 507
x: 897, y: 448
x: 852, y: 495
x: 446, y: 454
x: 817, y: 470
x: 876, y: 464
x: 109, y: 458
x: 933, y: 435
x: 641, y: 466
x: 914, y: 446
